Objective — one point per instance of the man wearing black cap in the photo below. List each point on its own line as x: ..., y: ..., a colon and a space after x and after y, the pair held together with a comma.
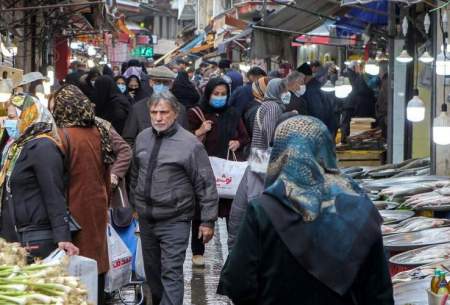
x: 317, y: 104
x: 235, y: 76
x: 243, y: 96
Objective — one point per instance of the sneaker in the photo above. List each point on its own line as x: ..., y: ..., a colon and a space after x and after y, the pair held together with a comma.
x: 198, y: 261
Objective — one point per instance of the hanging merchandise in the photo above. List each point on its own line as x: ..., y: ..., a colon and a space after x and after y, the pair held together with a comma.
x: 404, y: 57
x: 91, y: 51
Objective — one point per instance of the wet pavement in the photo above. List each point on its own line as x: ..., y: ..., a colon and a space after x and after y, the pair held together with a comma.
x: 200, y: 284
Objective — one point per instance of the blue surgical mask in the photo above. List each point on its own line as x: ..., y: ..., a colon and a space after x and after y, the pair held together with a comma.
x: 12, y: 128
x: 286, y: 98
x: 122, y: 87
x: 160, y: 88
x: 218, y: 101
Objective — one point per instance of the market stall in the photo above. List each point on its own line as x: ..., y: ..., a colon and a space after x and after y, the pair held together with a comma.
x: 43, y: 282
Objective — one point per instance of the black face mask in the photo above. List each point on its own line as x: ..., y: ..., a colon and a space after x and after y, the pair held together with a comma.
x: 131, y: 90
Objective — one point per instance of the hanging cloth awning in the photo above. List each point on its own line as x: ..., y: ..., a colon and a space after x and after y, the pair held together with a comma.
x: 193, y: 43
x: 350, y: 2
x: 324, y: 35
x: 302, y: 17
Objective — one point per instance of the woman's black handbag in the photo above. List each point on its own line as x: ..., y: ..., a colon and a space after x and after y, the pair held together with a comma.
x: 74, y: 226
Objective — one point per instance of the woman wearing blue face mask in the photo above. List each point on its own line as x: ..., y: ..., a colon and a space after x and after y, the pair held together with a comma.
x: 221, y: 129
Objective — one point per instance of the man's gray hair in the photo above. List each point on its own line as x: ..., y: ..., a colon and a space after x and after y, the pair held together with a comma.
x: 294, y: 76
x: 167, y: 97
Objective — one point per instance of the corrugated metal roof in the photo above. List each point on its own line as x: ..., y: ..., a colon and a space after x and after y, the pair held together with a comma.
x: 292, y: 19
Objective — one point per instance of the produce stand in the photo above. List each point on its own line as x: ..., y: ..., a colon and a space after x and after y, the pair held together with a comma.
x: 38, y: 283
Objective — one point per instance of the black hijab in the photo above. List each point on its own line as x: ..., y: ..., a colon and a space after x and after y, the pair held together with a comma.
x: 107, y: 71
x: 139, y: 93
x: 227, y: 116
x: 110, y: 104
x: 184, y: 90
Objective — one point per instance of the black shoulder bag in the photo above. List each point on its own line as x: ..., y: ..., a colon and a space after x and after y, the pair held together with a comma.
x: 74, y: 226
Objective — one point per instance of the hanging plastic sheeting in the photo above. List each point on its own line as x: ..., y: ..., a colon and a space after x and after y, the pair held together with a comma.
x: 356, y: 20
x: 349, y: 2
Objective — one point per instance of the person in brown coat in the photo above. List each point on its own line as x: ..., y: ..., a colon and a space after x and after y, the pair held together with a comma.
x: 88, y: 146
x: 119, y: 168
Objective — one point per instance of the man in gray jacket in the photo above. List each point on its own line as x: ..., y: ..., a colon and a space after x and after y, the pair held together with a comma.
x: 170, y: 174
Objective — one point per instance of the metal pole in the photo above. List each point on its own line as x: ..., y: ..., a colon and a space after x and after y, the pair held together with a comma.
x: 434, y: 49
x: 390, y: 117
x: 264, y: 8
x: 42, y: 7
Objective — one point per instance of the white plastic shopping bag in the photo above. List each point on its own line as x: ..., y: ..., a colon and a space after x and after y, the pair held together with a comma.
x: 82, y: 267
x: 139, y: 261
x: 86, y: 269
x: 120, y: 261
x: 228, y: 175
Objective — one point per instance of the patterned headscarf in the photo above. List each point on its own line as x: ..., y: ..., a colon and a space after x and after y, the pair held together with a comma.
x: 329, y: 224
x: 73, y: 109
x: 259, y: 88
x: 303, y: 172
x: 35, y: 121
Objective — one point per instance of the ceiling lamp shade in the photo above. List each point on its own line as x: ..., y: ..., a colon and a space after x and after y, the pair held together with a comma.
x: 372, y: 67
x: 343, y: 87
x: 415, y: 111
x: 404, y: 57
x: 328, y: 87
x: 443, y: 62
x: 441, y: 127
x: 426, y: 58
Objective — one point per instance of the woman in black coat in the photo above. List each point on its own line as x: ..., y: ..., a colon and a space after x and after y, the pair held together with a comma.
x: 135, y: 90
x: 313, y: 237
x: 32, y: 183
x: 110, y: 104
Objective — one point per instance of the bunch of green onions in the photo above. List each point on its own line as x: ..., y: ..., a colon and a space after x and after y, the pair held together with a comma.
x: 39, y: 284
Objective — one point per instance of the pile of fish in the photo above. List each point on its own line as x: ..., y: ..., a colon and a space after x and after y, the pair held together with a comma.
x: 438, y: 198
x: 390, y: 216
x: 414, y: 240
x: 422, y: 256
x: 414, y: 224
x: 369, y: 139
x: 411, y: 167
x: 421, y: 272
x: 413, y: 192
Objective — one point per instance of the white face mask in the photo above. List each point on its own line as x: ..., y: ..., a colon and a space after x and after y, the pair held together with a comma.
x: 300, y: 91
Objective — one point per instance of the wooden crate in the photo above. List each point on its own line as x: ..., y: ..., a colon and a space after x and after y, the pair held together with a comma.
x: 348, y: 158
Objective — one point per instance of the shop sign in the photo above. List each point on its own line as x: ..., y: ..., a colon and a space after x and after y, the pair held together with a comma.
x: 142, y: 51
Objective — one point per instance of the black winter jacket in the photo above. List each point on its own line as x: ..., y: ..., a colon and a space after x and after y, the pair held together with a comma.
x: 37, y: 190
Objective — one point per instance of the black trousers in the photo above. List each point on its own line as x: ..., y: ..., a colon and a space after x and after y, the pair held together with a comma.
x: 197, y: 246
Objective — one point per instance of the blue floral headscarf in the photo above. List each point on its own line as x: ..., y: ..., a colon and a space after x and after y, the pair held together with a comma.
x: 328, y: 224
x: 303, y: 172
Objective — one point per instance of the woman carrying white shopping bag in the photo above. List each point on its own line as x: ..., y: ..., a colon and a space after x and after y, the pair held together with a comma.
x: 221, y: 129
